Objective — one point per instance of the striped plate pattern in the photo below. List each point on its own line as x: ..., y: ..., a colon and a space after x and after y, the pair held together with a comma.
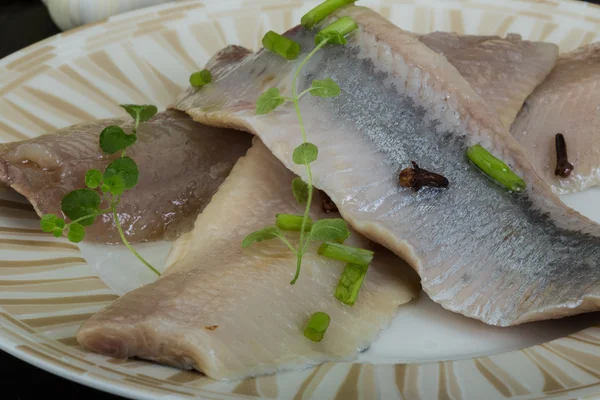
x: 47, y: 289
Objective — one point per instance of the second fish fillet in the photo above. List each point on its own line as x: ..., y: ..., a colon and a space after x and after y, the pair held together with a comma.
x: 231, y: 312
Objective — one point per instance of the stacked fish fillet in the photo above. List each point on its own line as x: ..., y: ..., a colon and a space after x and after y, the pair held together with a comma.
x: 500, y: 257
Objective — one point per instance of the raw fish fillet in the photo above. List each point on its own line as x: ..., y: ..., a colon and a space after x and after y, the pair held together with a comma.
x: 504, y: 258
x: 567, y: 102
x: 181, y: 162
x: 502, y: 71
x: 231, y: 312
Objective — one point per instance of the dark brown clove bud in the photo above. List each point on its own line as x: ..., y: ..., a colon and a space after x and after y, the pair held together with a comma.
x: 416, y: 178
x: 563, y: 166
x: 328, y: 205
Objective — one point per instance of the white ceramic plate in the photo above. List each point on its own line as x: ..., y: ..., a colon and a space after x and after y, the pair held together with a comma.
x: 49, y: 287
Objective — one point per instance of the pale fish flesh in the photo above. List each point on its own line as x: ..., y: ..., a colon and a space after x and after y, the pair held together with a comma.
x: 503, y: 71
x: 181, y: 163
x: 231, y: 312
x: 504, y: 258
x: 567, y: 102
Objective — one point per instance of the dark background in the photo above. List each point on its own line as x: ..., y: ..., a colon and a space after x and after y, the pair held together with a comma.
x: 24, y: 22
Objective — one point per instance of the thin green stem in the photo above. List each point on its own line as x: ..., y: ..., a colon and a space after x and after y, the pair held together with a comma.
x: 294, y: 90
x: 303, y: 245
x: 288, y: 244
x: 82, y: 218
x: 100, y: 212
x: 298, y: 265
x: 137, y: 123
x: 296, y: 98
x: 304, y: 92
x: 135, y: 253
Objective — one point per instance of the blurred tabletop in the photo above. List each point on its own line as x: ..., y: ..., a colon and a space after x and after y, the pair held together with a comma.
x: 24, y: 22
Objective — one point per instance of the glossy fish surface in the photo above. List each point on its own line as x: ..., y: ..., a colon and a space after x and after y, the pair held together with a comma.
x: 231, y: 312
x: 504, y: 258
x: 503, y: 71
x: 181, y: 164
x: 567, y: 102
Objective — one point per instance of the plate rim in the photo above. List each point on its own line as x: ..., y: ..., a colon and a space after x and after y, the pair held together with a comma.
x: 120, y: 388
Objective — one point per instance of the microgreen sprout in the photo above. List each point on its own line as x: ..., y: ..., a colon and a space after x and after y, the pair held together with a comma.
x: 323, y: 230
x: 83, y: 206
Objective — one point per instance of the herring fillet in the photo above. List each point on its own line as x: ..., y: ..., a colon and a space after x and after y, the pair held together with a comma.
x: 480, y: 251
x: 181, y: 165
x: 503, y: 71
x: 567, y: 102
x: 231, y: 312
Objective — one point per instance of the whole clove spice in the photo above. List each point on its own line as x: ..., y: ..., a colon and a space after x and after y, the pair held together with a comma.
x: 417, y: 177
x: 563, y: 166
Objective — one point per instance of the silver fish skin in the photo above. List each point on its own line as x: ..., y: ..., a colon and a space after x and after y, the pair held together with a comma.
x: 503, y: 258
x: 503, y: 71
x: 567, y: 102
x: 181, y: 164
x: 231, y: 312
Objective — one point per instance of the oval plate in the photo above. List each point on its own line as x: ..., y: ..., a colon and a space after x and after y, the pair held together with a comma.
x: 47, y: 288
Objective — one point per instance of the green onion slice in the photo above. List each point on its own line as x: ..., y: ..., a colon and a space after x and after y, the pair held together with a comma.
x: 353, y: 255
x: 200, y: 78
x: 290, y: 222
x: 495, y: 168
x: 320, y: 12
x: 335, y: 32
x: 350, y: 283
x: 281, y: 45
x: 317, y: 326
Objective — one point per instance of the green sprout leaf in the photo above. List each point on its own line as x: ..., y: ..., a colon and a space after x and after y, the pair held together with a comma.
x: 93, y: 178
x: 49, y: 222
x: 305, y: 153
x: 268, y: 101
x: 114, y: 139
x: 329, y: 230
x: 325, y: 88
x: 114, y: 184
x: 126, y: 168
x: 300, y: 190
x: 81, y: 203
x: 76, y: 233
x: 269, y: 232
x: 140, y: 113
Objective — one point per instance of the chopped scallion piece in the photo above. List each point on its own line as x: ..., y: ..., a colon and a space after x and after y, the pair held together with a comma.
x: 318, y: 14
x: 316, y: 326
x: 353, y: 255
x: 200, y: 78
x: 495, y: 168
x: 281, y: 45
x: 289, y: 222
x: 350, y: 283
x: 335, y: 32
